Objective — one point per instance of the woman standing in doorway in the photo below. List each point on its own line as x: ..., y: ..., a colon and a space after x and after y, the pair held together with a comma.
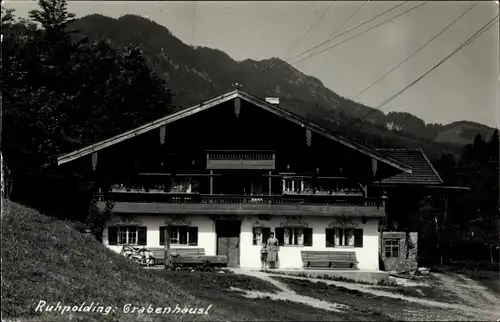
x: 272, y: 251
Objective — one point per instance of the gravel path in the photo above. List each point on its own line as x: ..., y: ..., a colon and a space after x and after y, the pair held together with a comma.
x: 287, y: 294
x: 484, y: 314
x: 468, y: 290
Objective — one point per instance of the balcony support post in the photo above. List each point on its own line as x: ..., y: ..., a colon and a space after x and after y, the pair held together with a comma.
x: 167, y: 245
x: 270, y: 190
x: 211, y: 182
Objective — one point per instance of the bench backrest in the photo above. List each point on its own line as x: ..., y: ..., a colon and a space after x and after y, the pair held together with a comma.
x: 160, y: 252
x: 328, y: 255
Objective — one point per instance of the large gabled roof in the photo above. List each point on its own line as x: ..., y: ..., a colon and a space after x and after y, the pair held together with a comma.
x: 423, y: 174
x: 224, y: 98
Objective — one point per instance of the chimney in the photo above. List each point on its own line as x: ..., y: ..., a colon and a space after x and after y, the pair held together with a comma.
x: 273, y: 100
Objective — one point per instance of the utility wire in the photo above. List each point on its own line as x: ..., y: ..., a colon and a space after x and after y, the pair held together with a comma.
x: 467, y: 42
x: 415, y: 52
x: 343, y: 33
x: 359, y: 34
x: 347, y: 20
x: 349, y: 30
x: 309, y: 30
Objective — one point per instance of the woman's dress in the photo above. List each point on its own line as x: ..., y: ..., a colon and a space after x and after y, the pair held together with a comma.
x: 272, y: 250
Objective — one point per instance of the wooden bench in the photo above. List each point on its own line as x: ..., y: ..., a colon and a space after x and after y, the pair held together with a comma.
x: 329, y: 260
x: 188, y: 256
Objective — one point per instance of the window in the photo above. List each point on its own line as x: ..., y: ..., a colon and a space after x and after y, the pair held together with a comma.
x: 344, y: 237
x: 180, y: 235
x: 260, y: 234
x: 391, y: 247
x: 294, y: 236
x: 127, y: 235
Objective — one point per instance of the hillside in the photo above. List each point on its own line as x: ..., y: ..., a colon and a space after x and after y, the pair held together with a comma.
x: 47, y: 259
x: 195, y: 74
x: 462, y: 132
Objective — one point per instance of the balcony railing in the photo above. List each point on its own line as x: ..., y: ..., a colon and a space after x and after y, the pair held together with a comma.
x: 240, y: 155
x: 193, y: 198
x: 241, y: 160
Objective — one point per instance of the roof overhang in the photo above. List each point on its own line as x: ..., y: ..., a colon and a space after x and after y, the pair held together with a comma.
x: 225, y: 98
x: 422, y: 186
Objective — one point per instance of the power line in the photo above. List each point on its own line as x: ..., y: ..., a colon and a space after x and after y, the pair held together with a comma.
x: 347, y: 20
x: 310, y: 28
x: 415, y: 52
x: 468, y: 41
x: 347, y: 31
x: 361, y: 33
x: 343, y: 33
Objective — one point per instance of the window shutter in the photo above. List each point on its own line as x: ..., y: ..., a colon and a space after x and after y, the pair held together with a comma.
x: 265, y: 234
x: 112, y: 235
x: 193, y: 236
x: 142, y: 235
x: 330, y: 237
x: 280, y: 235
x: 162, y: 235
x: 358, y: 237
x: 308, y: 237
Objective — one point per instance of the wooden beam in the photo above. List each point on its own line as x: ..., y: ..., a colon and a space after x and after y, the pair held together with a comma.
x: 167, y: 245
x: 163, y: 134
x: 94, y: 161
x: 211, y: 182
x: 270, y: 187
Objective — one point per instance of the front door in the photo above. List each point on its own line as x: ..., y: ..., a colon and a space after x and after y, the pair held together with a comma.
x: 228, y: 240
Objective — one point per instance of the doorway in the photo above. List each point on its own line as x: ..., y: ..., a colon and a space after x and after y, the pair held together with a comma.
x: 228, y: 240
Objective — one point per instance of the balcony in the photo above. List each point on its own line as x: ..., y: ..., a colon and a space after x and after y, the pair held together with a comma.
x: 190, y: 203
x: 239, y: 160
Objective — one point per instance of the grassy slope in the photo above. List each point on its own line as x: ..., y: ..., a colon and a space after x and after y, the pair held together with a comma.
x: 366, y: 306
x: 46, y: 259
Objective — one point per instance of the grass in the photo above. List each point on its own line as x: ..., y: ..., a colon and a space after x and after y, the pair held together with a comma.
x: 488, y: 278
x: 327, y: 277
x: 47, y: 259
x: 366, y: 306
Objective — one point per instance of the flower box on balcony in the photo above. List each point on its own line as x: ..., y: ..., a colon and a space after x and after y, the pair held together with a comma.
x: 118, y: 189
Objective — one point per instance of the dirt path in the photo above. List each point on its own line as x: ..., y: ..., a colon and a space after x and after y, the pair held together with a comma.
x: 287, y: 294
x: 468, y: 290
x: 484, y: 314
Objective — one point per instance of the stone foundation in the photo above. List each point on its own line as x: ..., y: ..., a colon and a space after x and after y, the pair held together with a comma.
x: 407, y: 259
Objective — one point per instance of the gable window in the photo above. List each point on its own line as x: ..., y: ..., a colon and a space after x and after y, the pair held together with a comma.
x: 260, y: 235
x: 127, y: 235
x: 391, y: 247
x: 344, y: 237
x: 180, y: 235
x: 289, y: 236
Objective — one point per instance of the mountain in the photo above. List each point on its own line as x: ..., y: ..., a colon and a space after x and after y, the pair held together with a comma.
x: 462, y: 132
x: 195, y: 74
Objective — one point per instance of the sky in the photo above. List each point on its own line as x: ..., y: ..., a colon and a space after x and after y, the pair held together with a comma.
x: 465, y: 87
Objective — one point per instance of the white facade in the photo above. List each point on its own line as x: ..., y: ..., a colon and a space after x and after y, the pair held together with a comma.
x: 249, y: 254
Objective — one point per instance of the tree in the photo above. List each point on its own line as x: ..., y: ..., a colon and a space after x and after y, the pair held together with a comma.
x: 60, y: 95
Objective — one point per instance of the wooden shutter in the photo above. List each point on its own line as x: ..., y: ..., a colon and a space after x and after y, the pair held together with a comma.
x: 162, y: 235
x: 308, y: 236
x: 193, y: 236
x: 142, y: 235
x: 113, y: 235
x: 265, y: 234
x: 330, y: 237
x: 280, y: 235
x: 358, y: 237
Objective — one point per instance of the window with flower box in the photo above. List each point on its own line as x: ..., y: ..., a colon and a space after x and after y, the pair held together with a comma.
x: 294, y: 236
